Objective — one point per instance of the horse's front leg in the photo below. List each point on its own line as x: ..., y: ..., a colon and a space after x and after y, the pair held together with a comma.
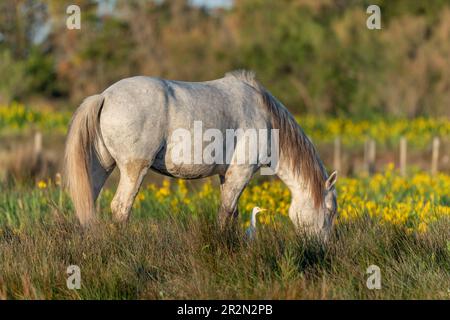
x: 231, y: 186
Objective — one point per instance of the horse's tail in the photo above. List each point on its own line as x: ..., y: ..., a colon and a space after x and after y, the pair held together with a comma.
x: 83, y: 133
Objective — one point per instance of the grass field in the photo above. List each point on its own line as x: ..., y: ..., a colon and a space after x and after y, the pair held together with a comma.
x: 171, y: 248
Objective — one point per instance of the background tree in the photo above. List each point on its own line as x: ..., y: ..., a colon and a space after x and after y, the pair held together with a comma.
x: 317, y: 56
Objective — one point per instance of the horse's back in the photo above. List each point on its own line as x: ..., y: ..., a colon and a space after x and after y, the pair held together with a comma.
x: 217, y: 103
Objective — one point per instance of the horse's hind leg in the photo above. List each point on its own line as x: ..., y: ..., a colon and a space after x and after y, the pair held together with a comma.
x: 99, y: 175
x: 131, y: 175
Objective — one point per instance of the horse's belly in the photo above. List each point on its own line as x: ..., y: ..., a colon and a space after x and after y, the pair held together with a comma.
x: 164, y: 164
x: 184, y: 171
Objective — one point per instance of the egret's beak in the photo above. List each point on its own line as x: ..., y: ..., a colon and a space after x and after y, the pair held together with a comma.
x: 262, y: 209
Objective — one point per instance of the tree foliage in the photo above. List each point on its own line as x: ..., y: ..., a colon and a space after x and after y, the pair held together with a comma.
x: 317, y: 56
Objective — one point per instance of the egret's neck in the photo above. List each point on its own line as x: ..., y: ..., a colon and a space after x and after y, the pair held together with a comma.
x: 253, y: 220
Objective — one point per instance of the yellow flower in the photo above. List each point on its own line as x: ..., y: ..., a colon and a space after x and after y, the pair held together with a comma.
x: 42, y: 184
x: 140, y: 196
x: 422, y: 228
x: 164, y: 191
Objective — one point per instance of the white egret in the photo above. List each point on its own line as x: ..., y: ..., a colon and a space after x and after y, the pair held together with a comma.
x: 251, y: 230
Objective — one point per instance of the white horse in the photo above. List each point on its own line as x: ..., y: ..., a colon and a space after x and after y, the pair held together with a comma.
x: 129, y: 126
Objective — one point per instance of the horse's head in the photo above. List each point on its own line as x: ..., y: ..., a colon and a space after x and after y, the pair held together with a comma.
x: 328, y: 211
x: 317, y: 220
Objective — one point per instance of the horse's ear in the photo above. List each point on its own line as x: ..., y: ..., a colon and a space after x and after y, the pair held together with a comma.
x: 331, y: 180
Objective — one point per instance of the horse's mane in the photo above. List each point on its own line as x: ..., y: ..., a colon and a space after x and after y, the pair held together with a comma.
x: 295, y: 146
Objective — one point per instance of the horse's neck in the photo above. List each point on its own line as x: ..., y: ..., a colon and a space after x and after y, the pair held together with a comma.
x: 300, y: 192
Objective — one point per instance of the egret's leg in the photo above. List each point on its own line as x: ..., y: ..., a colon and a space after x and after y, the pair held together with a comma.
x: 231, y: 187
x: 131, y: 176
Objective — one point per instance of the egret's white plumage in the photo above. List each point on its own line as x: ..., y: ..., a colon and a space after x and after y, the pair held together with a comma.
x: 251, y: 230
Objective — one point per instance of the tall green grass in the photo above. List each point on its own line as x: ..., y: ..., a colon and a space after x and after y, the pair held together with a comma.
x: 162, y: 255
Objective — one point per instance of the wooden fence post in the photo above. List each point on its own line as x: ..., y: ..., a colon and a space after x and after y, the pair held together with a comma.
x: 369, y: 155
x: 36, y: 155
x: 403, y: 151
x: 435, y: 156
x: 337, y: 154
x: 372, y: 155
x: 37, y: 146
x: 366, y: 157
